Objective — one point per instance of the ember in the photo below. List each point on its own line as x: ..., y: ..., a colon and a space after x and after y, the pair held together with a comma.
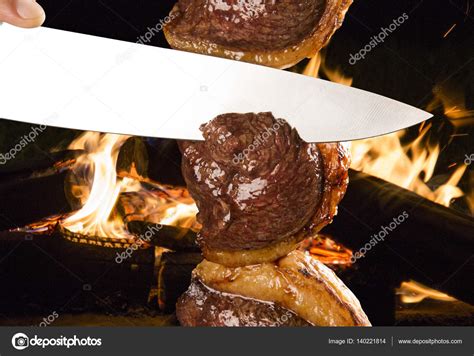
x: 326, y: 250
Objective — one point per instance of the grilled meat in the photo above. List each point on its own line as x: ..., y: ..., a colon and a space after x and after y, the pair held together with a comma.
x: 259, y: 187
x: 296, y: 290
x: 277, y: 33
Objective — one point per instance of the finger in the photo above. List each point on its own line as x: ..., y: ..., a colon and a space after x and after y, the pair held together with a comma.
x: 22, y: 13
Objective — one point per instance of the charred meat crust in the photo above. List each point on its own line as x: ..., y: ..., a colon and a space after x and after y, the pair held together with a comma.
x: 202, y: 306
x: 296, y: 282
x: 274, y: 33
x: 336, y: 161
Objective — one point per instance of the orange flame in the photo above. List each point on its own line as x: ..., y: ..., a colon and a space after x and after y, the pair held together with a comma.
x: 317, y: 65
x: 168, y: 206
x: 100, y: 195
x: 415, y: 292
x: 409, y: 165
x: 94, y: 217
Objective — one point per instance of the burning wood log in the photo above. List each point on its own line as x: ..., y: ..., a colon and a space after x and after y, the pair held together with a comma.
x: 132, y: 160
x: 26, y: 201
x: 174, y: 268
x: 174, y: 277
x: 44, y: 271
x: 162, y: 204
x: 82, y: 264
x: 421, y: 239
x: 24, y: 186
x: 170, y: 237
x: 54, y: 162
x: 151, y: 160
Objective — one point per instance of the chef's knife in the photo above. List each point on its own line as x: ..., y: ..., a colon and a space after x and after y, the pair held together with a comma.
x: 77, y: 81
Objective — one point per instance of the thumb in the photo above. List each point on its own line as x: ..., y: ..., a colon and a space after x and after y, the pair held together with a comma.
x: 22, y: 13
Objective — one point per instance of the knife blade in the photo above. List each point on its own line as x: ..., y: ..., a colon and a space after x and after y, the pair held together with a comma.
x: 59, y: 78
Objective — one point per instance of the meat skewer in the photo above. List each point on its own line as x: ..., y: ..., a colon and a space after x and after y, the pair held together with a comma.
x: 259, y: 188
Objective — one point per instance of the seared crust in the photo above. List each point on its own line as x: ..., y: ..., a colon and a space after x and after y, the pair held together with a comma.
x: 296, y: 282
x: 203, y: 27
x: 202, y: 306
x: 336, y: 162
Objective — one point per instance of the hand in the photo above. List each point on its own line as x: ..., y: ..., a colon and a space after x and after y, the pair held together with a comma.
x: 22, y: 13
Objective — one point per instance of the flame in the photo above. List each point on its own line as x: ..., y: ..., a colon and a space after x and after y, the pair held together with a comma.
x: 175, y: 214
x: 409, y: 165
x: 168, y: 206
x: 102, y: 189
x: 317, y: 65
x: 94, y: 218
x: 415, y: 292
x: 470, y: 195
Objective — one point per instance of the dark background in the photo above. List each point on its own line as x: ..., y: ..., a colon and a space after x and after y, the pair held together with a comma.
x: 416, y: 59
